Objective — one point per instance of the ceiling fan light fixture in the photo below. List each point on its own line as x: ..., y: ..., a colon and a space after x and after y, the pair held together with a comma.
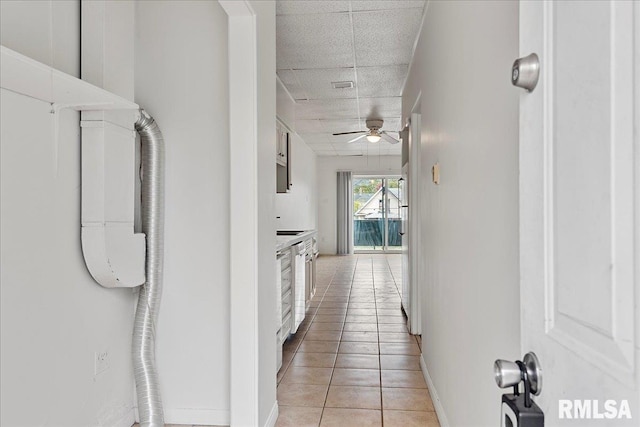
x: 373, y: 138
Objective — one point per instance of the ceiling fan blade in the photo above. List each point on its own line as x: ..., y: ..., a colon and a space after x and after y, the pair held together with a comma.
x: 347, y: 133
x: 389, y: 138
x: 355, y: 139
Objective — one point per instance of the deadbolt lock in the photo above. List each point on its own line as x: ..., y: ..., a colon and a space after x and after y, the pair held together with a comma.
x: 525, y: 72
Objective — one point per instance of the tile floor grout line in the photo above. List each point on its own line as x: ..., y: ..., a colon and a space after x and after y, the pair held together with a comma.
x: 333, y: 370
x: 370, y: 276
x: 379, y: 349
x: 295, y: 351
x: 310, y: 323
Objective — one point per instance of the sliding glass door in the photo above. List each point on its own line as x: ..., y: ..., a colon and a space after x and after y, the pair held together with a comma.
x: 376, y: 214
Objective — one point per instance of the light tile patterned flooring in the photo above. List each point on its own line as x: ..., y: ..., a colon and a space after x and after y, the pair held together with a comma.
x: 352, y: 361
x: 179, y: 425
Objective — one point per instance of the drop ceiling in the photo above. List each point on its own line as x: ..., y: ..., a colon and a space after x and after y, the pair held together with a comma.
x: 367, y: 42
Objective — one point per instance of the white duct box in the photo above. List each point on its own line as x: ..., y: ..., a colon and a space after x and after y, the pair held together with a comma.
x: 114, y: 254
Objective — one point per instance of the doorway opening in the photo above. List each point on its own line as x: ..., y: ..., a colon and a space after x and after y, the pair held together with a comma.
x: 376, y: 214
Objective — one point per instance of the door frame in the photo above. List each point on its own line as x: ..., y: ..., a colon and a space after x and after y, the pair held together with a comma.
x: 383, y: 177
x: 415, y: 240
x: 243, y: 205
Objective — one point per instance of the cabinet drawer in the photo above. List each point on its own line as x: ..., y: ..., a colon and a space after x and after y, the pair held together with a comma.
x: 286, y: 311
x: 285, y: 279
x: 286, y: 301
x: 285, y: 330
x: 286, y: 260
x: 285, y: 286
x: 286, y: 272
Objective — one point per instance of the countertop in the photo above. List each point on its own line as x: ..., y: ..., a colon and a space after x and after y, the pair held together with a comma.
x: 286, y: 241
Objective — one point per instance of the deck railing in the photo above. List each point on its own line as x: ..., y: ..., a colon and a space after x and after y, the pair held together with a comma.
x: 370, y: 232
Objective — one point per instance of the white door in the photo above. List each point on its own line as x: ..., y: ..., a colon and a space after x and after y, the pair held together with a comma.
x: 579, y: 206
x: 414, y: 318
x: 404, y: 231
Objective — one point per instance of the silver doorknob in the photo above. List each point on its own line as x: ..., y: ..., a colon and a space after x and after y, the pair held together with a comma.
x: 525, y: 72
x: 507, y: 373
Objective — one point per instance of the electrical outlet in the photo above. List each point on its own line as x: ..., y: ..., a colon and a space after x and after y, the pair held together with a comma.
x: 100, y: 362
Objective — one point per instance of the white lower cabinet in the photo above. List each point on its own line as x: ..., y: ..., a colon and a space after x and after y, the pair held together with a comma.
x: 295, y: 279
x: 285, y: 300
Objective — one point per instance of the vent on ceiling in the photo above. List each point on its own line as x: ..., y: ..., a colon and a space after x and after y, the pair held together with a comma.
x: 342, y: 85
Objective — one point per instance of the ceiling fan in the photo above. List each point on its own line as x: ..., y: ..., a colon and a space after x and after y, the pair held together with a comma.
x: 374, y: 134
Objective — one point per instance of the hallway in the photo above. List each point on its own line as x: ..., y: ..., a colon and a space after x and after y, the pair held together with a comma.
x: 352, y: 362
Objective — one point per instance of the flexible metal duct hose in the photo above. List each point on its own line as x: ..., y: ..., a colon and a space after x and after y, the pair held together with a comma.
x: 144, y: 330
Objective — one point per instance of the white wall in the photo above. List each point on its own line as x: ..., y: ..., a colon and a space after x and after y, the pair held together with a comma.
x: 53, y: 315
x: 285, y: 106
x: 327, y: 183
x: 47, y: 31
x: 469, y: 223
x: 182, y: 80
x: 297, y: 209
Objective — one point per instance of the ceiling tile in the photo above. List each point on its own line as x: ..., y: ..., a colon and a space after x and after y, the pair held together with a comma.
x: 299, y: 7
x: 386, y: 153
x: 354, y: 146
x: 309, y: 126
x: 325, y: 150
x: 287, y: 77
x: 327, y: 109
x: 385, y: 37
x: 392, y: 124
x: 289, y: 80
x: 316, y: 138
x: 381, y: 107
x: 359, y: 5
x: 342, y: 125
x: 342, y: 139
x: 314, y: 41
x: 327, y: 127
x: 317, y: 83
x: 382, y: 149
x: 349, y: 153
x: 381, y: 81
x: 315, y: 47
x: 325, y: 146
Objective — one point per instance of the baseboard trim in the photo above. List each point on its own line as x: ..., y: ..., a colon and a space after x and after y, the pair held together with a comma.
x: 273, y: 416
x: 197, y: 416
x: 442, y: 417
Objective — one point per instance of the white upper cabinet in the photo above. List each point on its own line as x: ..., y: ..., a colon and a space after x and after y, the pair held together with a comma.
x: 282, y: 145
